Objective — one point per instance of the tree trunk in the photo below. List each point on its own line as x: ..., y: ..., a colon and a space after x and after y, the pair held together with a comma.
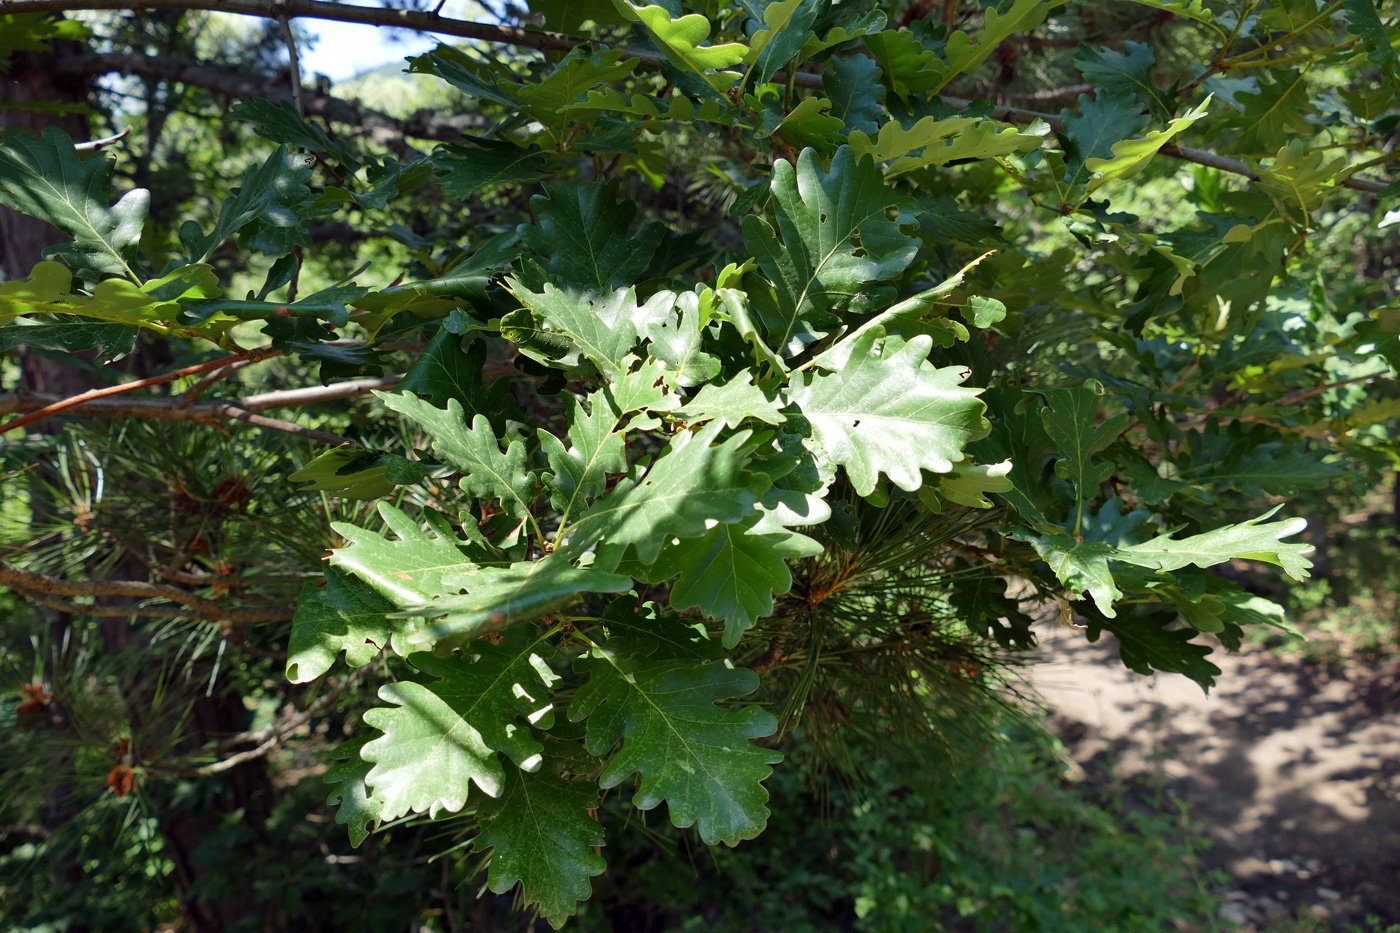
x: 22, y: 238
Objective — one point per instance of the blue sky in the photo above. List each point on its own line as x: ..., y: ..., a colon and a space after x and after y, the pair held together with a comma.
x: 347, y: 49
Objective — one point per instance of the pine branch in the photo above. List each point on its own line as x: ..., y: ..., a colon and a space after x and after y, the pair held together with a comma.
x: 162, y: 612
x: 41, y: 587
x: 251, y: 356
x: 246, y: 408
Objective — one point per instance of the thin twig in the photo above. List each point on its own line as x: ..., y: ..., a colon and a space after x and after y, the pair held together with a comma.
x: 253, y: 356
x: 212, y: 412
x: 267, y: 739
x: 92, y: 145
x: 295, y: 283
x: 291, y: 42
x: 297, y: 719
x: 1184, y: 153
x: 290, y: 427
x: 339, y: 12
x: 17, y: 577
x: 1296, y: 397
x: 1050, y: 95
x: 191, y: 395
x: 225, y: 615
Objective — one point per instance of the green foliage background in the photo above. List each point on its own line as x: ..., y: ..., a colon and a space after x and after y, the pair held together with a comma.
x: 766, y: 380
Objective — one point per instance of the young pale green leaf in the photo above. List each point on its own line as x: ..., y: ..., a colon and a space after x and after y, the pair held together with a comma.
x: 117, y: 301
x: 441, y: 736
x: 695, y: 485
x: 359, y: 809
x: 1131, y: 156
x: 679, y: 40
x: 344, y: 615
x: 44, y: 178
x: 732, y: 402
x: 937, y: 142
x: 47, y: 282
x: 964, y: 53
x: 360, y: 474
x: 543, y: 836
x: 787, y: 27
x: 1300, y: 178
x: 1255, y: 539
x: 691, y: 754
x: 1102, y: 120
x: 888, y: 410
x: 473, y: 449
x: 818, y: 267
x: 969, y: 483
x: 583, y: 235
x: 408, y: 571
x: 483, y: 600
x: 731, y: 574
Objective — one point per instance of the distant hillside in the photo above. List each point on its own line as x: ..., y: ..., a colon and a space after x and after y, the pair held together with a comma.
x: 389, y: 89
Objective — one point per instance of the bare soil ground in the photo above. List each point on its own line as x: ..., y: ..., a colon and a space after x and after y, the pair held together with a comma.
x: 1292, y: 769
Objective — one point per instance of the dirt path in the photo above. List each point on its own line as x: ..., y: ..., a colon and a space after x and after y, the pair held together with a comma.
x: 1292, y: 769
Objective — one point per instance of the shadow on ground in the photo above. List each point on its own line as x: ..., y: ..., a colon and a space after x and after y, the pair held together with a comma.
x: 1293, y: 770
